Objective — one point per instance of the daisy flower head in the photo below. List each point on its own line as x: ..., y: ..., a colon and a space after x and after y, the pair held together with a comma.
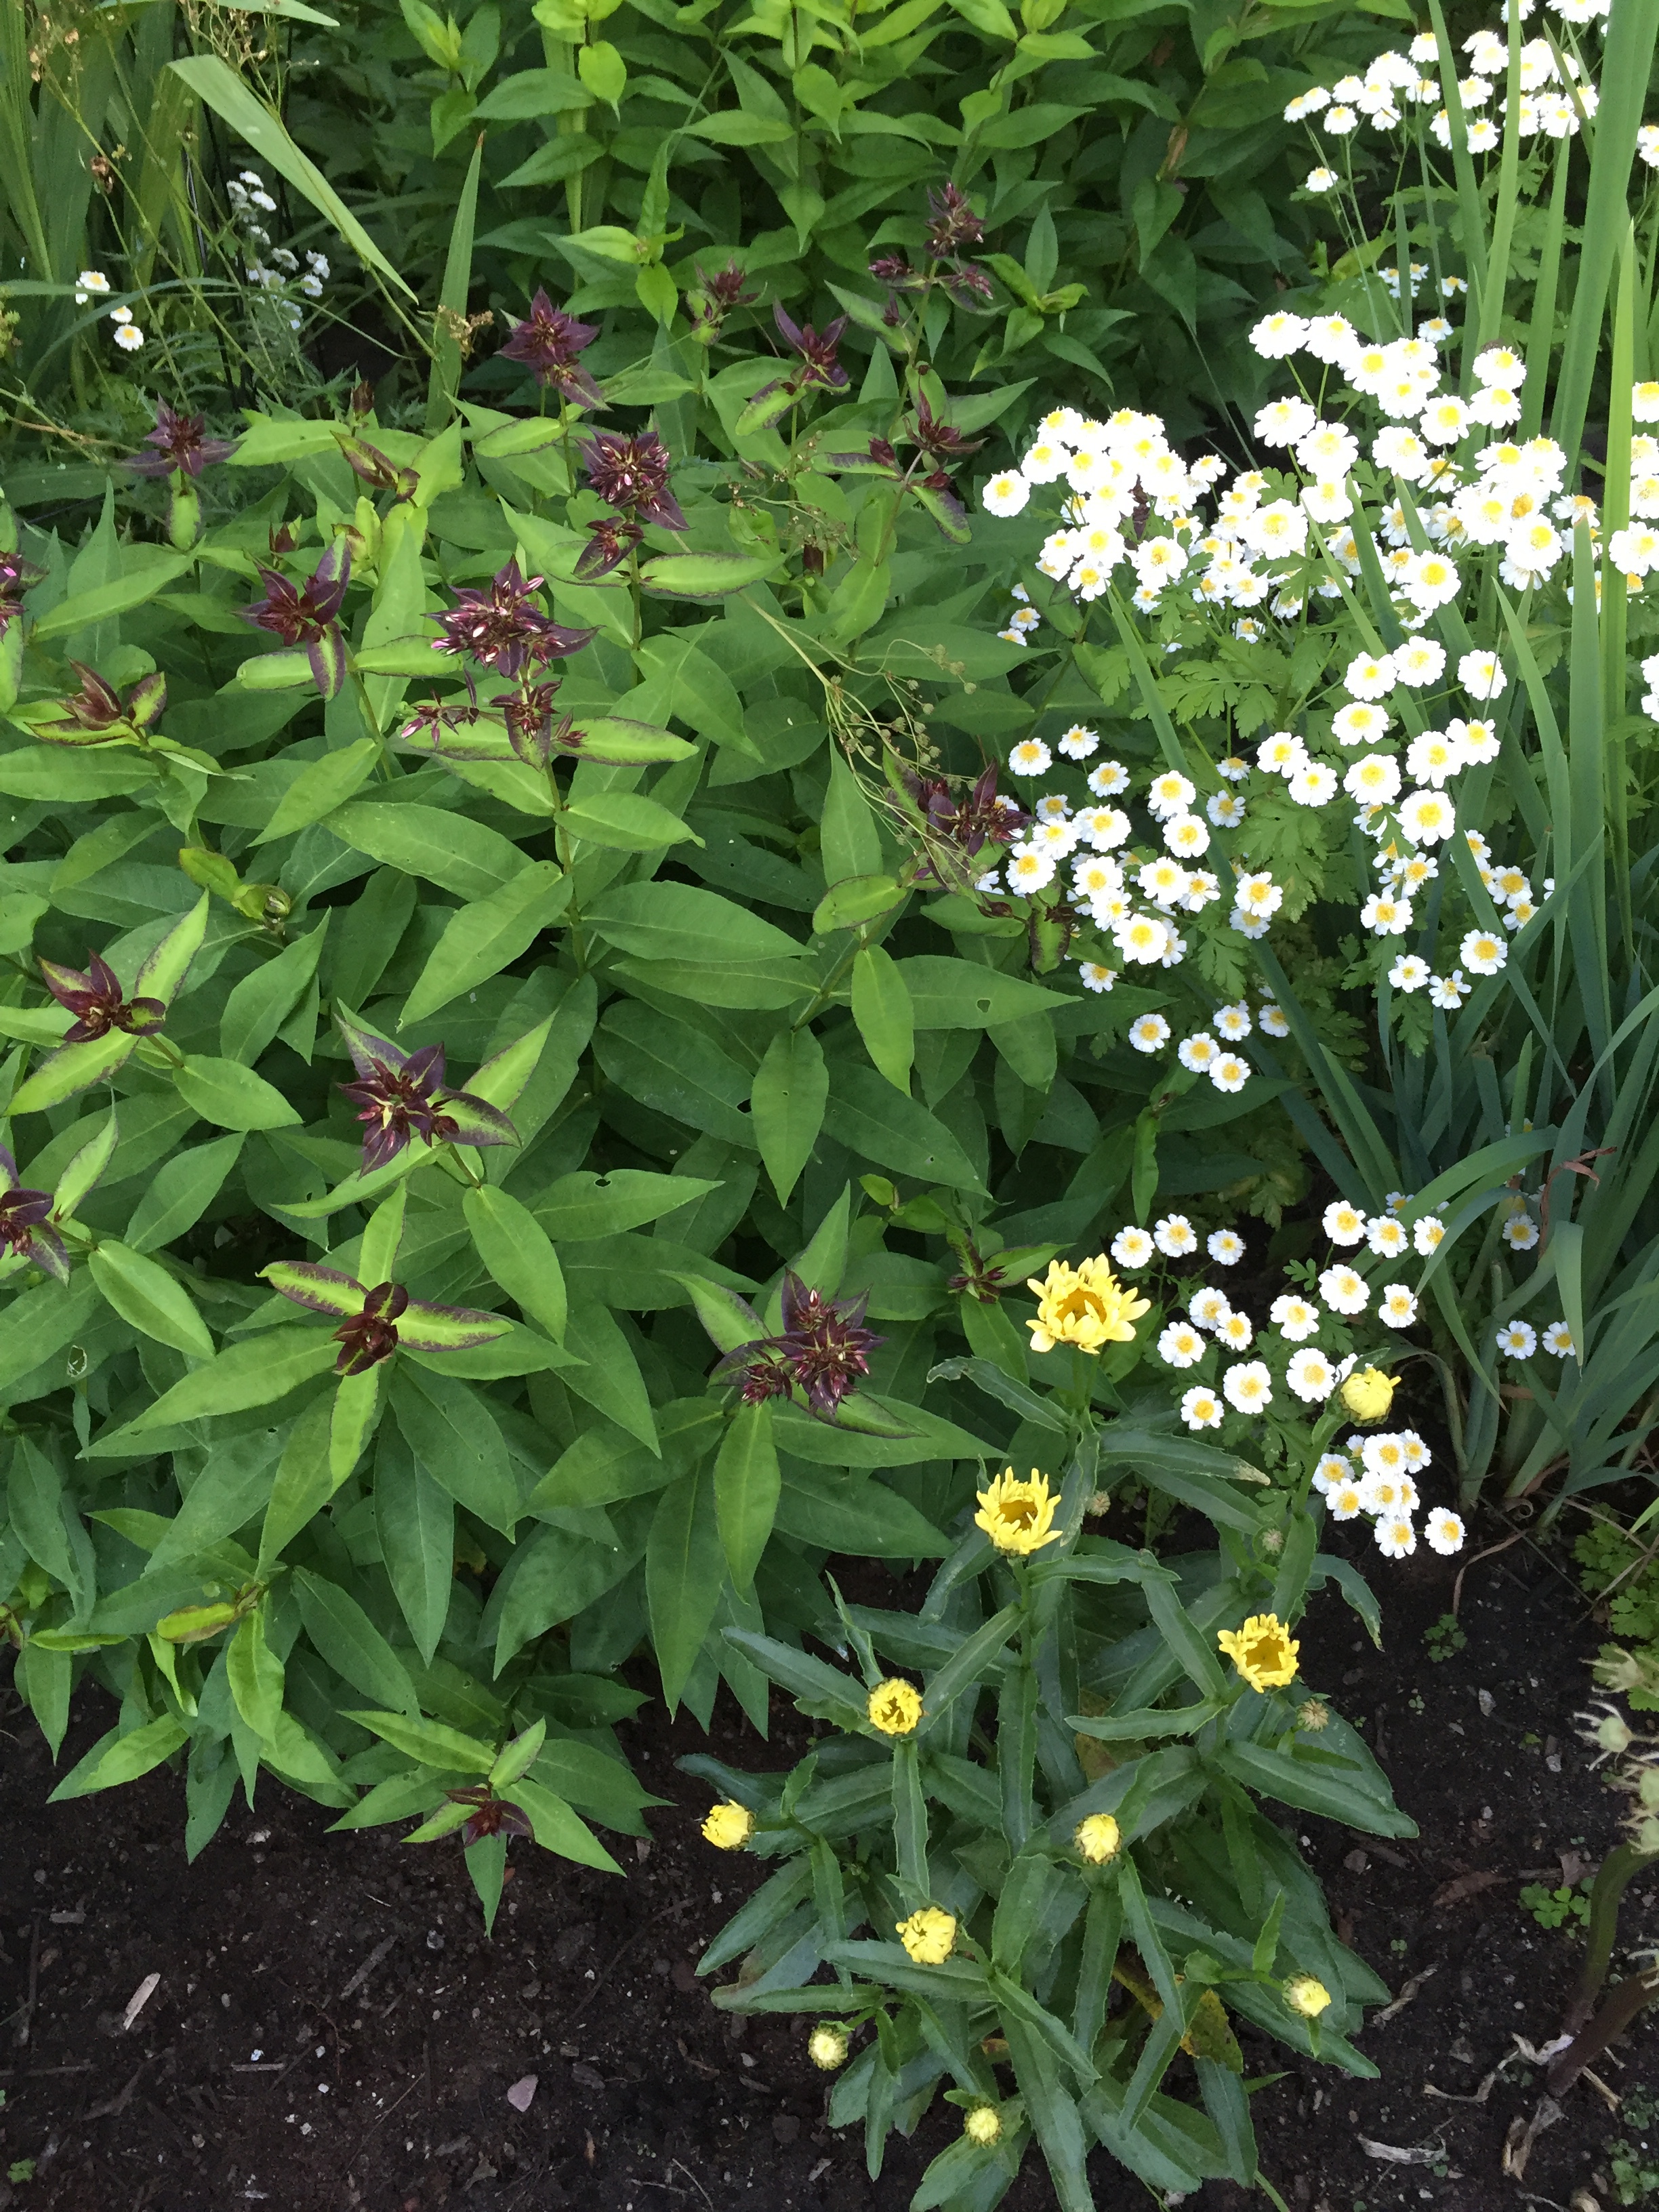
x: 1373, y: 780
x: 89, y: 282
x: 128, y: 337
x: 1282, y: 421
x: 1226, y: 1247
x: 1344, y: 1290
x: 1197, y: 1052
x: 1361, y: 722
x: 1386, y: 1236
x: 1294, y: 1317
x: 1274, y: 1020
x: 1028, y: 871
x: 1281, y: 754
x: 1229, y: 1072
x: 1500, y: 364
x: 1132, y: 1247
x: 1483, y: 952
x: 1030, y: 756
x: 1519, y: 1232
x: 1517, y: 1339
x: 1343, y: 1223
x: 1180, y: 1344
x: 1078, y: 743
x: 1225, y: 809
x: 1372, y: 676
x: 1103, y: 828
x: 1175, y: 1236
x: 1448, y: 993
x: 1557, y: 1341
x: 1344, y: 1501
x: 1005, y: 494
x: 1145, y: 940
x: 1235, y: 1331
x: 1107, y: 778
x: 1481, y: 675
x: 1314, y: 784
x: 1445, y: 1532
x: 1397, y: 1306
x: 1186, y: 835
x: 1247, y: 1387
x: 1209, y: 1307
x: 1396, y: 1538
x: 1644, y: 398
x: 1150, y: 1033
x: 1200, y: 1409
x: 1426, y: 815
x: 1333, y: 1468
x: 1427, y: 1235
x: 1170, y: 793
x: 1234, y: 1022
x: 1311, y: 1375
x: 1096, y: 977
x: 1328, y: 451
x: 1277, y: 336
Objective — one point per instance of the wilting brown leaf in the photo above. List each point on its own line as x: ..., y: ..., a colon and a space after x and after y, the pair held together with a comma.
x: 1463, y: 1887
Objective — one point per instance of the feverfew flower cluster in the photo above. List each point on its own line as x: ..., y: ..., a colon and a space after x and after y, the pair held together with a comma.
x: 1401, y: 89
x: 1375, y: 1475
x: 92, y: 284
x: 272, y: 268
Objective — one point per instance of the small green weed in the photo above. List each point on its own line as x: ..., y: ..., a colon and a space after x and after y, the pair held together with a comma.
x: 20, y: 2169
x: 1635, y: 2165
x: 1555, y: 1908
x: 1604, y: 1553
x: 1444, y: 1638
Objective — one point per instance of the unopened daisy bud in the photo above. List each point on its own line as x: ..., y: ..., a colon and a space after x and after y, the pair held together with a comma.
x: 1369, y: 1395
x: 983, y: 2125
x: 827, y: 2047
x: 1315, y: 1714
x: 728, y: 1827
x: 1098, y: 1839
x: 894, y: 1706
x: 1306, y: 1995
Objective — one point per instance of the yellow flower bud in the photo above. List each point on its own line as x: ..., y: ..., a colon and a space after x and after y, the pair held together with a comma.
x: 1369, y: 1393
x: 895, y: 1706
x: 1316, y: 1714
x: 982, y: 2125
x: 827, y: 2047
x: 927, y: 1935
x: 1306, y: 1995
x: 728, y: 1827
x: 1263, y: 1650
x: 1098, y: 1839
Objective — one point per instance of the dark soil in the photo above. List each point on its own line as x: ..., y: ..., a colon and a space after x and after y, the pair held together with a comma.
x: 268, y: 2067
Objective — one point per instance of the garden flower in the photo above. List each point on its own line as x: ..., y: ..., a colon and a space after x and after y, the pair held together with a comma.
x: 1557, y: 1340
x: 1345, y: 1500
x: 1334, y: 1467
x: 1247, y: 1386
x: 181, y: 444
x: 1483, y: 952
x: 1445, y: 1532
x: 308, y: 615
x: 1448, y: 993
x: 1397, y: 1306
x: 1097, y: 1837
x: 1226, y: 1247
x: 1083, y: 1305
x: 499, y: 627
x: 1030, y: 757
x: 1304, y: 1995
x: 1385, y: 1236
x: 1210, y: 1308
x: 631, y: 474
x: 1180, y: 1344
x: 1263, y: 1650
x: 1149, y: 1033
x: 1517, y: 1339
x: 1018, y: 1516
x: 1229, y: 1072
x: 1197, y: 1052
x: 1368, y: 1394
x: 1519, y: 1233
x: 1095, y: 977
x: 25, y: 1231
x: 822, y: 1349
x: 1396, y: 1538
x: 1343, y: 1223
x: 1174, y: 1236
x: 1235, y: 1331
x: 928, y: 1935
x: 403, y: 1094
x: 547, y: 343
x: 982, y: 2125
x: 894, y: 1706
x: 1311, y: 1375
x: 728, y: 1827
x: 827, y: 2046
x: 1201, y: 1408
x: 1294, y: 1318
x: 375, y: 1319
x: 96, y: 1000
x: 1132, y: 1247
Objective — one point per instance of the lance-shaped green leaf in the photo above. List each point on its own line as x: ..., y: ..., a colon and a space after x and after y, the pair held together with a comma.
x: 556, y: 1828
x: 257, y: 1677
x: 165, y: 967
x: 747, y: 1487
x: 74, y: 1067
x: 432, y: 1742
x: 115, y: 1759
x: 253, y: 1372
x: 518, y: 1757
x: 143, y: 1294
x: 86, y: 1166
x: 519, y: 1254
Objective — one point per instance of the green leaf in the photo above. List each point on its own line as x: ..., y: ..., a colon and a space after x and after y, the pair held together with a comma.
x: 625, y: 822
x: 115, y: 1759
x: 584, y: 1204
x: 531, y: 93
x: 960, y: 994
x: 430, y: 1741
x: 232, y: 1096
x: 254, y: 1372
x: 320, y: 786
x: 262, y: 1002
x: 704, y: 576
x: 181, y: 1191
x: 611, y: 1381
x: 414, y: 1522
x: 145, y: 1294
x: 675, y: 1068
x: 351, y: 1643
x: 851, y: 841
x: 865, y: 1114
x: 73, y: 1067
x: 676, y: 921
x: 305, y: 1480
x: 451, y: 1431
x: 884, y: 1014
x: 458, y: 854
x: 853, y: 900
x: 85, y: 610
x: 857, y: 1515
x: 558, y: 1829
x: 257, y: 1677
x: 480, y: 938
x: 684, y: 1570
x: 215, y: 81
x: 85, y: 1168
x: 518, y: 1757
x: 747, y: 1486
x: 1340, y: 1789
x: 790, y: 1089
x: 519, y: 1254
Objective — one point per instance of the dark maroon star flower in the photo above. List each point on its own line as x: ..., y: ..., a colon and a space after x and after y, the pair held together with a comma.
x: 822, y: 1349
x: 377, y: 468
x: 968, y: 284
x: 607, y: 548
x: 404, y: 1095
x: 97, y: 706
x: 892, y: 269
x: 726, y: 286
x: 495, y: 1816
x: 308, y: 615
x: 531, y: 730
x: 939, y: 441
x: 548, y: 342
x: 182, y: 444
x: 820, y: 370
x: 953, y: 224
x: 375, y: 1320
x: 500, y: 627
x: 632, y: 474
x: 94, y: 997
x: 967, y: 824
x: 25, y: 1230
x: 16, y: 577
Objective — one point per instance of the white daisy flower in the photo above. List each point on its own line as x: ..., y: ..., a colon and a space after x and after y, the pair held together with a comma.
x: 1294, y: 1317
x: 1445, y: 1532
x: 1397, y: 1306
x: 1005, y: 494
x: 1180, y: 1344
x: 1132, y: 1247
x: 1247, y: 1386
x: 1517, y: 1339
x: 1235, y: 1331
x: 1343, y: 1223
x: 1344, y: 1290
x: 1396, y: 1536
x: 1151, y: 1033
x: 1226, y: 1247
x: 1030, y: 756
x: 1200, y: 1409
x: 1174, y: 1236
x: 1229, y: 1072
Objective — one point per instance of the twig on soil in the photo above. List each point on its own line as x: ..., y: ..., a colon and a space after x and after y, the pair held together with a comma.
x: 364, y: 1971
x: 1523, y: 2134
x: 140, y: 1997
x: 27, y: 2020
x: 610, y: 1968
x: 1491, y: 1552
x: 112, y: 2106
x: 391, y: 2109
x: 1405, y: 1996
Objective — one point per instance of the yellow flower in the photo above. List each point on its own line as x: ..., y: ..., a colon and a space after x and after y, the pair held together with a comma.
x: 1018, y: 1516
x: 895, y: 1706
x: 1263, y: 1650
x: 728, y: 1827
x: 1304, y: 1995
x: 1098, y: 1839
x: 1085, y: 1305
x: 1369, y: 1395
x: 927, y: 1935
x: 827, y: 2047
x: 982, y: 2125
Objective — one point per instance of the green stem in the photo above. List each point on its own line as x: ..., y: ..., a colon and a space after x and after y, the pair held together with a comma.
x: 1618, y: 1869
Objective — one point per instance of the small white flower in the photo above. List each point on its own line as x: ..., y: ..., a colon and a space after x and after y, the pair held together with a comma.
x: 129, y: 337
x: 1311, y: 1375
x: 1200, y: 1409
x: 1362, y: 722
x: 1151, y: 1033
x: 1396, y: 1536
x: 1322, y: 180
x: 1519, y: 1233
x: 1397, y: 1306
x: 1174, y: 1236
x: 1344, y: 1501
x: 1078, y: 743
x: 1448, y: 993
x: 1007, y: 494
x: 1557, y: 1340
x: 1344, y: 1290
x: 1210, y: 1306
x: 1247, y: 1386
x: 1409, y: 973
x: 1095, y: 977
x: 1132, y: 1247
x: 1445, y: 1532
x: 1197, y: 1052
x: 1229, y: 1072
x: 1386, y: 1236
x: 1107, y: 778
x: 1343, y: 1223
x: 1143, y: 938
x: 1236, y: 1331
x: 1274, y: 1020
x: 1027, y: 870
x: 1517, y: 1339
x: 1225, y: 809
x: 1279, y: 335
x: 1484, y: 953
x: 1226, y: 1247
x: 1295, y: 1318
x: 1481, y: 675
x: 1428, y: 1234
x: 90, y: 280
x: 1180, y: 1344
x: 1030, y: 756
x: 1371, y: 677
